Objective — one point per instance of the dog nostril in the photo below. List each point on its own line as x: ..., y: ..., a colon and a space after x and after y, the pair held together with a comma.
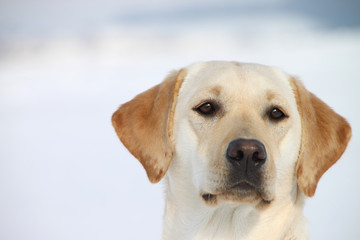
x: 255, y: 156
x: 235, y: 154
x: 258, y: 157
x: 240, y: 155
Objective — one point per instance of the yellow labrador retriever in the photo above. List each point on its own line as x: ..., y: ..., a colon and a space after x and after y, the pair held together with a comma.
x: 240, y: 146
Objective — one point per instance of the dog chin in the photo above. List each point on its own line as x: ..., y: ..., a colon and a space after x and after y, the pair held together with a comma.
x: 242, y: 193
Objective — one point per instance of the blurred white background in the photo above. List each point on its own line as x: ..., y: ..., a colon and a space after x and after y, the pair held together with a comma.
x: 65, y: 66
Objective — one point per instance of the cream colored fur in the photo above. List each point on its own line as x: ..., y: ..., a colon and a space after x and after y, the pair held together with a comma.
x: 189, y: 149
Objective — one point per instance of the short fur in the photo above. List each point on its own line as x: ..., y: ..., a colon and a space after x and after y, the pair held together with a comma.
x: 205, y: 199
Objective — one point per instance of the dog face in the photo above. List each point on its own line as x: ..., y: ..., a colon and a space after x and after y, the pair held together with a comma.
x: 237, y: 131
x: 233, y: 132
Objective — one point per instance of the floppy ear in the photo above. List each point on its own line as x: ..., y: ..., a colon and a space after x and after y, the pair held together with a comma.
x: 325, y: 135
x: 145, y: 125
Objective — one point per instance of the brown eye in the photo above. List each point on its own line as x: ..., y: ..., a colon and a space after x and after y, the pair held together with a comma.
x: 206, y: 109
x: 276, y: 114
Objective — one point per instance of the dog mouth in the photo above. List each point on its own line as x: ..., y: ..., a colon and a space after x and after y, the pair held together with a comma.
x: 241, y: 192
x: 243, y: 186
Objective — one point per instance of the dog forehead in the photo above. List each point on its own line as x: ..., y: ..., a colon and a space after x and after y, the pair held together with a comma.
x: 233, y: 77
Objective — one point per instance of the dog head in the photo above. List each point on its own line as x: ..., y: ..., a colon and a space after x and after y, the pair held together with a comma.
x: 235, y: 132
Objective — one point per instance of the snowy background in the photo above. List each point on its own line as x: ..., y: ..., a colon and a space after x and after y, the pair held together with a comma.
x: 65, y: 66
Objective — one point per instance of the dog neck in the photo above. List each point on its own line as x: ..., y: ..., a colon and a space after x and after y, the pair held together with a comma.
x: 188, y: 217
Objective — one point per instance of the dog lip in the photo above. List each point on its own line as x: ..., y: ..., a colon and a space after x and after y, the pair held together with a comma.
x: 243, y: 185
x: 207, y: 196
x: 267, y: 201
x: 210, y: 199
x: 247, y: 187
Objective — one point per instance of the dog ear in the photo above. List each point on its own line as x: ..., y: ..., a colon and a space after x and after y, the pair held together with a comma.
x: 145, y: 125
x: 325, y: 135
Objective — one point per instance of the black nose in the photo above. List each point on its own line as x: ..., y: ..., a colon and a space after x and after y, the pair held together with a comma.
x: 248, y: 153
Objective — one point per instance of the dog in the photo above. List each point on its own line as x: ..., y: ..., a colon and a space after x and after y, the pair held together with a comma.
x: 240, y: 146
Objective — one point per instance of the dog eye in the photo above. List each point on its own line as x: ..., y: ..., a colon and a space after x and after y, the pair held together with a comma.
x: 206, y: 109
x: 276, y: 114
